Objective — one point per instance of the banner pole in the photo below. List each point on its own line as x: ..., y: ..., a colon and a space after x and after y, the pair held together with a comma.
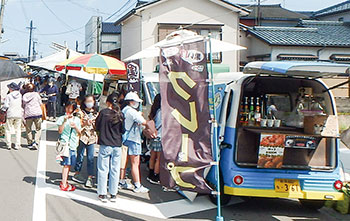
x: 215, y: 137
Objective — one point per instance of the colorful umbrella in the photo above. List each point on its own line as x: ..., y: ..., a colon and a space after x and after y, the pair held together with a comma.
x: 94, y: 64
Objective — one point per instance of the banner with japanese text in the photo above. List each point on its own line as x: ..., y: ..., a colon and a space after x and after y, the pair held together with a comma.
x: 186, y: 126
x: 133, y: 73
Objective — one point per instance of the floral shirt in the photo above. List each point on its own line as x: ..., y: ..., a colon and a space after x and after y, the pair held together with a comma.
x: 88, y: 132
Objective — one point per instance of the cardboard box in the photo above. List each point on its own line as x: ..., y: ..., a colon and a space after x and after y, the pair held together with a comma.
x: 324, y: 125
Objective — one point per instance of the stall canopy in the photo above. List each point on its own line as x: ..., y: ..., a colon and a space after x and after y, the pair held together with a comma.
x: 50, y: 61
x: 183, y: 36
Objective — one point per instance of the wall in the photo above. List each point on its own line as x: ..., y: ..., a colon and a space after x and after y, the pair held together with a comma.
x: 335, y: 17
x: 180, y: 12
x: 91, y: 35
x: 131, y: 37
x: 110, y: 42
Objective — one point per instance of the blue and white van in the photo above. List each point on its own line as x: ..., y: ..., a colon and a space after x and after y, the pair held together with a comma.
x: 310, y: 173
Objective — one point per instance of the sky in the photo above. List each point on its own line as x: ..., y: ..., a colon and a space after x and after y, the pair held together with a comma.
x: 63, y: 21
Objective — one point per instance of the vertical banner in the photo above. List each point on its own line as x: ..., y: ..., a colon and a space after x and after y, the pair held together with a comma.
x: 186, y: 127
x: 133, y: 72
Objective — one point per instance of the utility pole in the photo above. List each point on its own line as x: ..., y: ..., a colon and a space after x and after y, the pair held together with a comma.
x: 98, y: 49
x: 77, y: 46
x: 2, y: 11
x: 258, y: 16
x: 34, y: 51
x: 30, y: 39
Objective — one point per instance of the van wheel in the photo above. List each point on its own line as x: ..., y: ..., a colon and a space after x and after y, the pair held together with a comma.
x: 225, y: 199
x: 312, y: 204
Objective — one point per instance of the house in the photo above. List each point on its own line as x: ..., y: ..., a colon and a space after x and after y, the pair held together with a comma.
x: 271, y: 15
x: 310, y: 40
x: 338, y: 12
x: 147, y: 23
x: 101, y: 37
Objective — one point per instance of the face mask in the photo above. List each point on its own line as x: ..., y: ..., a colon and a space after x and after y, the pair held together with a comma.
x: 89, y: 105
x: 135, y: 105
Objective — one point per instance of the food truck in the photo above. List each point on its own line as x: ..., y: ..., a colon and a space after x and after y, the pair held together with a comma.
x: 278, y: 133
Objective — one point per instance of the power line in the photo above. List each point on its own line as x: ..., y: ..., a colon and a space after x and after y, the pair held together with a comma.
x: 58, y: 18
x: 118, y: 10
x: 87, y: 7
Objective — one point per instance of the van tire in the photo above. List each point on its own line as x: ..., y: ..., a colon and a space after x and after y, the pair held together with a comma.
x: 312, y: 204
x: 225, y: 199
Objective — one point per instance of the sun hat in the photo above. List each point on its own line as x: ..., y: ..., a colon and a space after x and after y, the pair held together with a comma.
x: 13, y: 86
x: 132, y: 96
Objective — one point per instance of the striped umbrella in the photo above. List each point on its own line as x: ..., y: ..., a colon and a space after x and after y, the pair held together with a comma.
x: 94, y: 64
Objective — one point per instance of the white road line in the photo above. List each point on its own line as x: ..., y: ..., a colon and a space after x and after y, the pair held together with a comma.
x: 160, y: 210
x: 39, y: 207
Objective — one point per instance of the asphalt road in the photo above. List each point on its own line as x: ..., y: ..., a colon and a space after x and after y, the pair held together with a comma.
x: 29, y: 191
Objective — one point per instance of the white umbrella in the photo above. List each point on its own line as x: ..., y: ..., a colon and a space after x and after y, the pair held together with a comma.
x: 180, y: 37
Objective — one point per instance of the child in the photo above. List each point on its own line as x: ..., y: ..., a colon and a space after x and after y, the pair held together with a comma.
x: 69, y: 128
x: 110, y: 127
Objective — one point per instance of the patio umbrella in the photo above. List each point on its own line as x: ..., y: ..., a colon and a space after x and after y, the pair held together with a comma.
x: 180, y: 37
x: 94, y: 64
x: 10, y: 70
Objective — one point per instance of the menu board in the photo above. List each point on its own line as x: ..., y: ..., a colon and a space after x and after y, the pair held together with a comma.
x: 271, y: 150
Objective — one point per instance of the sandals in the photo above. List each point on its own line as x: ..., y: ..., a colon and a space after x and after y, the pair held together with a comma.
x: 69, y: 187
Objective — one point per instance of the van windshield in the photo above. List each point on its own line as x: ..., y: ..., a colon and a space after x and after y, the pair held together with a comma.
x: 153, y: 88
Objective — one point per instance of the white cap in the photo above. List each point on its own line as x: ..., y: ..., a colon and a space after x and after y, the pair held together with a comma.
x: 132, y: 96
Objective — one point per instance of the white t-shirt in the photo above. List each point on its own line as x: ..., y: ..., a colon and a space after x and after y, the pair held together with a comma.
x: 133, y: 117
x: 73, y: 89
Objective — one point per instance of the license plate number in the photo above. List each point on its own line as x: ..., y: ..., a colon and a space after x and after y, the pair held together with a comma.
x: 287, y: 185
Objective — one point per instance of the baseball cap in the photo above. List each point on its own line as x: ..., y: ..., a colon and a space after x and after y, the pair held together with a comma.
x: 132, y: 96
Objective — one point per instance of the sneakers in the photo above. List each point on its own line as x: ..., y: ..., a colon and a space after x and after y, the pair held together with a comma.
x: 34, y: 146
x: 89, y: 182
x: 78, y: 178
x: 153, y: 179
x: 16, y: 147
x: 113, y: 198
x: 8, y: 147
x: 69, y: 187
x: 103, y: 198
x: 141, y: 189
x: 125, y: 186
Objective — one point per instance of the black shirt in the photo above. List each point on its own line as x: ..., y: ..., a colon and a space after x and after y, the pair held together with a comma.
x: 109, y: 133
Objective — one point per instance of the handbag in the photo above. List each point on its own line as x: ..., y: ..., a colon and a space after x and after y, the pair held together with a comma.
x: 3, y: 116
x: 62, y: 147
x: 43, y: 110
x: 150, y: 131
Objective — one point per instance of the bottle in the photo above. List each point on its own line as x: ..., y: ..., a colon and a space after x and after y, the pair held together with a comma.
x: 246, y: 111
x: 242, y: 118
x: 257, y: 114
x: 251, y: 120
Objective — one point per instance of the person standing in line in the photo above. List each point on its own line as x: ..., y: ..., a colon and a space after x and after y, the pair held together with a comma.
x: 133, y: 122
x: 13, y: 107
x: 110, y: 127
x: 87, y: 141
x: 58, y: 84
x: 51, y: 91
x: 32, y: 115
x: 69, y: 128
x: 155, y: 144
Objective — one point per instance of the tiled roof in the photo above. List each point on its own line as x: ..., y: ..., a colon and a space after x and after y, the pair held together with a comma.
x: 338, y: 8
x: 110, y: 28
x: 273, y: 12
x: 309, y: 33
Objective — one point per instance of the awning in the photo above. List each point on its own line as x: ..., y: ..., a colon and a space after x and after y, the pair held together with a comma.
x: 307, y: 57
x: 340, y: 57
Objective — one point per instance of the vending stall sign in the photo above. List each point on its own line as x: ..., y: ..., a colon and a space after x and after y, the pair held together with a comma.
x: 133, y: 74
x: 271, y: 151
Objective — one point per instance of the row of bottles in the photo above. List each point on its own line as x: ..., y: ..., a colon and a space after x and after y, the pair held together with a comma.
x: 251, y: 111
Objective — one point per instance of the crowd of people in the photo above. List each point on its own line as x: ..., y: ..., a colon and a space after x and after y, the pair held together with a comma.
x: 116, y: 131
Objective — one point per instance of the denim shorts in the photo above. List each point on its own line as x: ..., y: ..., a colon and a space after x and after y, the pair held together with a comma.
x: 71, y: 160
x: 133, y: 148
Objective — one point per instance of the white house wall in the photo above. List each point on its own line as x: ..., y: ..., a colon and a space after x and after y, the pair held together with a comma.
x: 179, y: 12
x: 131, y: 37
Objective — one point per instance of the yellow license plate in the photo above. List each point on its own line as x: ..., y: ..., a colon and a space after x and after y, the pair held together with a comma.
x: 287, y: 186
